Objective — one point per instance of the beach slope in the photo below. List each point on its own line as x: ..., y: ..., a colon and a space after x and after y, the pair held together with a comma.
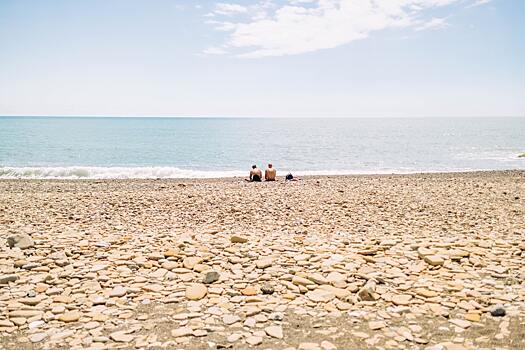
x: 430, y: 261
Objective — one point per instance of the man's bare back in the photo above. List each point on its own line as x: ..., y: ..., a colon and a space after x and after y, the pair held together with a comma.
x: 255, y: 174
x: 270, y: 173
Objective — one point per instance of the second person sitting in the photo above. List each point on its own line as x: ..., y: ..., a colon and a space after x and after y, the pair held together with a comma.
x: 270, y: 173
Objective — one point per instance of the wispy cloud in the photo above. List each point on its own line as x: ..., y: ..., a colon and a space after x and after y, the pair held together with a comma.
x: 300, y: 26
x: 434, y: 23
x: 215, y: 51
x: 478, y: 3
x: 229, y: 9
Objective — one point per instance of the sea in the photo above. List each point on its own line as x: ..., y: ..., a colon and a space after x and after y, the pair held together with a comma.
x: 153, y: 147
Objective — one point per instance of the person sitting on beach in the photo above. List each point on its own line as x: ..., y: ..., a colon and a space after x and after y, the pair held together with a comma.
x: 255, y: 174
x: 270, y: 173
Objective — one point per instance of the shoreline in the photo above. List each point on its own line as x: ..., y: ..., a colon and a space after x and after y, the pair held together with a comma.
x: 280, y: 178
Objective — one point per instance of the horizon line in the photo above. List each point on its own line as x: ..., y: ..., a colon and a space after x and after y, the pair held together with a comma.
x: 259, y: 117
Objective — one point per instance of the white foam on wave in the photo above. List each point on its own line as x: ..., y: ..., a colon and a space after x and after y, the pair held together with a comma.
x: 498, y: 156
x: 83, y: 172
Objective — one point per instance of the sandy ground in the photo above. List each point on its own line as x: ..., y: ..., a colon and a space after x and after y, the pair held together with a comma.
x: 348, y: 262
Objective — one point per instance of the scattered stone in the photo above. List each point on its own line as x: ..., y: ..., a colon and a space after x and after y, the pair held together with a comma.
x: 317, y: 278
x: 434, y: 260
x: 253, y: 340
x: 18, y: 321
x: 367, y: 293
x: 118, y: 291
x: 361, y: 335
x: 401, y: 299
x: 181, y: 332
x: 274, y: 331
x: 320, y: 295
x: 121, y: 337
x: 498, y: 311
x: 22, y: 241
x: 200, y: 333
x: 335, y: 277
x: 60, y: 309
x: 211, y: 276
x: 191, y: 262
x: 238, y: 239
x: 170, y: 265
x: 196, y: 291
x: 71, y: 316
x: 6, y: 323
x: 374, y: 325
x: 426, y: 293
x: 326, y: 345
x: 249, y: 291
x: 472, y: 317
x: 230, y: 319
x: 267, y: 289
x: 37, y: 337
x: 301, y: 281
x: 460, y: 323
x: 264, y: 263
x: 5, y: 279
x: 234, y: 337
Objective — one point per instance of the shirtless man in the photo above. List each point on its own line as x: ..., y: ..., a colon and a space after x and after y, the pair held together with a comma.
x: 270, y: 173
x: 255, y: 174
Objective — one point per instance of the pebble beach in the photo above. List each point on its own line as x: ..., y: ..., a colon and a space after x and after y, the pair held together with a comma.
x: 421, y: 261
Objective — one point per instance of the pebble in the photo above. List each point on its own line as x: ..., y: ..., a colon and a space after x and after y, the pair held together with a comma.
x: 118, y: 291
x: 232, y: 338
x: 374, y: 325
x: 5, y: 279
x: 230, y: 319
x: 473, y: 317
x: 274, y: 331
x: 196, y: 291
x: 191, y: 262
x: 249, y: 291
x: 326, y: 345
x: 301, y: 281
x: 71, y: 316
x: 498, y: 311
x: 434, y: 260
x: 267, y: 289
x: 121, y: 337
x: 320, y: 295
x: 238, y: 239
x: 211, y: 276
x: 22, y: 241
x: 264, y: 263
x: 309, y: 346
x: 254, y: 340
x: 181, y: 332
x: 37, y: 337
x: 461, y: 323
x: 402, y: 299
x: 200, y: 333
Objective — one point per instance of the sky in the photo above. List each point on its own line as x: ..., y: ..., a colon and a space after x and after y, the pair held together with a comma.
x: 264, y: 58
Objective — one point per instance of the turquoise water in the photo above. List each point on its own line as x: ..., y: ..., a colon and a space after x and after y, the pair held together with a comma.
x: 216, y: 147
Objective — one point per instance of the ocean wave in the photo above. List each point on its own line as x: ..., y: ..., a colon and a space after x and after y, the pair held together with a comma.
x: 84, y: 172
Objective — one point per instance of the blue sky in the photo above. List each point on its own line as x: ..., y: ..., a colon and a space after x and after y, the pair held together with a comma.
x: 324, y: 58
